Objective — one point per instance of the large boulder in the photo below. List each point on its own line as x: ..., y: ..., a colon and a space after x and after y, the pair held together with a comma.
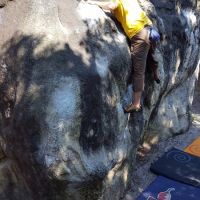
x: 170, y: 102
x: 64, y: 67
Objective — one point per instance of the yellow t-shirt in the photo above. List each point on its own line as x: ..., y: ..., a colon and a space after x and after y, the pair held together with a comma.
x: 131, y: 16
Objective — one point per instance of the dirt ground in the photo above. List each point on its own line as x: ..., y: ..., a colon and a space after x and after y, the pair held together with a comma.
x: 142, y: 176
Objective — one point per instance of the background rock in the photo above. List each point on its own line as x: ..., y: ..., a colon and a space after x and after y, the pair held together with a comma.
x: 179, y: 24
x: 64, y: 67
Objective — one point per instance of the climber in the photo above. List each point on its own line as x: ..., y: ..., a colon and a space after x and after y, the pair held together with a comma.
x: 138, y: 28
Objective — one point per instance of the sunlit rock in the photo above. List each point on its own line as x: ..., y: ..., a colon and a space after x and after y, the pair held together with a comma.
x: 64, y: 68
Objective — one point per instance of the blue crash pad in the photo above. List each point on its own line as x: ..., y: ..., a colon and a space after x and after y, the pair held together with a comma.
x: 163, y: 188
x: 179, y: 166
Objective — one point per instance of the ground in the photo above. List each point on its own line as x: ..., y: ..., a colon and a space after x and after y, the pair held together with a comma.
x: 142, y: 176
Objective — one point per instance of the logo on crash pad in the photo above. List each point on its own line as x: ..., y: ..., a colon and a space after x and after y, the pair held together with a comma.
x: 166, y: 195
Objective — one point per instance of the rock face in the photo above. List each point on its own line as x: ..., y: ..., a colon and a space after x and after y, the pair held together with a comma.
x: 171, y: 101
x: 63, y: 72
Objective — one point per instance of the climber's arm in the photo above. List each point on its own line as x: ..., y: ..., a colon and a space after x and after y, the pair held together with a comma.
x: 109, y: 5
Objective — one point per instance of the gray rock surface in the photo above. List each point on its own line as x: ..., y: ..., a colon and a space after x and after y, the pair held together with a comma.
x: 64, y: 66
x: 179, y: 58
x: 142, y: 176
